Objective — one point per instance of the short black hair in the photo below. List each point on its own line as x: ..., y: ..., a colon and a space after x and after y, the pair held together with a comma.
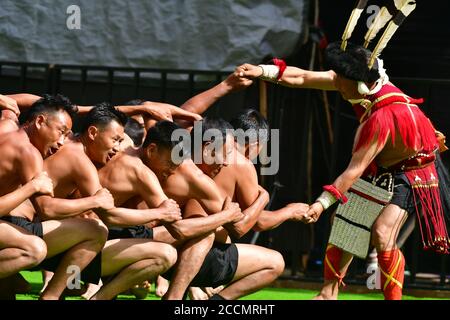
x: 351, y: 63
x: 135, y: 131
x: 101, y: 115
x: 134, y: 102
x: 251, y: 119
x: 48, y: 104
x: 161, y: 135
x: 219, y: 124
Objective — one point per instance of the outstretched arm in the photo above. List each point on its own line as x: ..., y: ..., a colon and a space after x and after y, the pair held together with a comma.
x: 7, y: 103
x: 201, y: 102
x: 271, y: 219
x: 294, y: 77
x: 358, y: 164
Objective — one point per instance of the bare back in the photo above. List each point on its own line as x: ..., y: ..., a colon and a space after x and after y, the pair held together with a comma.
x: 131, y: 182
x: 189, y: 182
x: 19, y: 163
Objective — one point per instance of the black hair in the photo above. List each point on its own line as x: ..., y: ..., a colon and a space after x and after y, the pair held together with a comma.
x: 134, y: 102
x: 48, y: 104
x: 135, y: 131
x: 161, y: 135
x: 251, y: 119
x: 209, y: 123
x: 351, y: 63
x: 101, y: 115
x: 220, y: 126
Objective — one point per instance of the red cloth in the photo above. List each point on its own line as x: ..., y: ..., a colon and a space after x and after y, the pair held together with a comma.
x: 336, y: 193
x: 332, y: 264
x: 392, y: 265
x: 430, y: 214
x: 390, y: 113
x: 281, y: 64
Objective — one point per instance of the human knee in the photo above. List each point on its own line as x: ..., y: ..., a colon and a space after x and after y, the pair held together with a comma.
x: 35, y: 251
x: 277, y: 263
x: 381, y: 235
x: 169, y: 256
x: 96, y: 230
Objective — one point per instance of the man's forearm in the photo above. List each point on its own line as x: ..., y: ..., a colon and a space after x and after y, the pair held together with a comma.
x: 194, y: 227
x: 251, y: 216
x: 12, y: 200
x: 55, y: 208
x: 201, y: 102
x: 125, y: 217
x: 24, y: 100
x: 271, y: 219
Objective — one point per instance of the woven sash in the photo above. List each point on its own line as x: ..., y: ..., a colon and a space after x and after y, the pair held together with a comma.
x: 353, y: 221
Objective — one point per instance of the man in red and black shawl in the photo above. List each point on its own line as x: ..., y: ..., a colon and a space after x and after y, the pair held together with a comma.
x: 394, y: 136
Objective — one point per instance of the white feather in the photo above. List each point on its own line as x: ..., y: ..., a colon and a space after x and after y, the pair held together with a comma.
x: 406, y: 9
x: 379, y: 22
x: 351, y: 24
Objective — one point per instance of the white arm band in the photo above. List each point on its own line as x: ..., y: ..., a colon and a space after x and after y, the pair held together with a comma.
x: 326, y: 199
x: 270, y: 72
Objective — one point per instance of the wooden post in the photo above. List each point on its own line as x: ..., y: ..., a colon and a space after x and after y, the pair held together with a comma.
x: 263, y: 111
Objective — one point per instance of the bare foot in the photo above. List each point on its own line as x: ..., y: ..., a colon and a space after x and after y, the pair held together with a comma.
x: 91, y: 290
x: 322, y: 296
x: 162, y: 285
x: 212, y: 291
x: 195, y: 293
x: 46, y: 277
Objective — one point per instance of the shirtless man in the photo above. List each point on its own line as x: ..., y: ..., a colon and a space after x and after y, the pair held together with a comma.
x: 252, y: 120
x: 77, y: 240
x: 181, y: 182
x: 125, y: 260
x: 256, y: 266
x: 19, y: 250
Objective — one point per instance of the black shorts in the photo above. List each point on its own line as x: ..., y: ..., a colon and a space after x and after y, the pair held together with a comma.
x: 403, y: 195
x: 218, y: 268
x: 91, y: 273
x: 135, y: 232
x: 33, y: 227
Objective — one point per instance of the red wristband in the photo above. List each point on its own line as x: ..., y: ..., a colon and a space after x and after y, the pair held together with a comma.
x: 280, y: 64
x: 336, y: 193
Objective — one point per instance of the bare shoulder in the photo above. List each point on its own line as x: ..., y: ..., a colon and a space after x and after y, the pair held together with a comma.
x: 20, y: 144
x: 72, y: 152
x: 130, y: 166
x: 128, y: 162
x: 244, y: 168
x: 16, y: 148
x: 190, y: 171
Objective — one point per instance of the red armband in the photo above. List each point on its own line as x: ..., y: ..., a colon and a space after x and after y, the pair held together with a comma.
x: 280, y: 64
x: 336, y: 193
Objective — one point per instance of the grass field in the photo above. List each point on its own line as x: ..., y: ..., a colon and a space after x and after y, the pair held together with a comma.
x: 267, y: 294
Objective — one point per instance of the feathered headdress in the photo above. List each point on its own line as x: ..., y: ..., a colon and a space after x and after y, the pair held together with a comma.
x: 357, y: 62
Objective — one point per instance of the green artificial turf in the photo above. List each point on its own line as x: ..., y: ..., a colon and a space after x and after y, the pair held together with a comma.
x: 35, y: 279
